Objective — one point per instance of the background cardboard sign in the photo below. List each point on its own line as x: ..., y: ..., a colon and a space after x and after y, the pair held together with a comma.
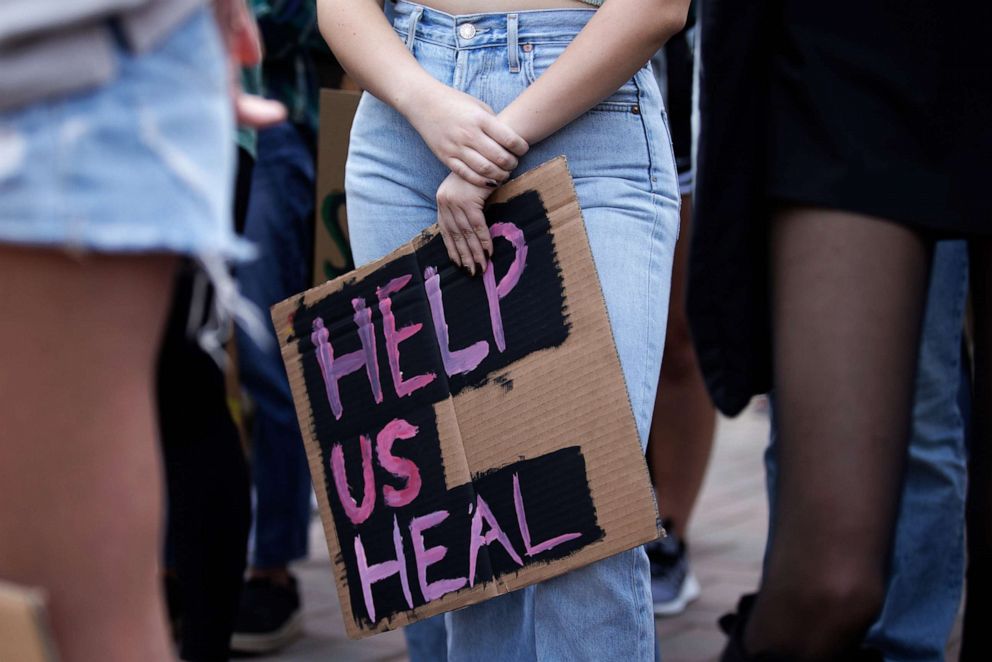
x: 467, y: 436
x: 24, y: 632
x: 331, y: 252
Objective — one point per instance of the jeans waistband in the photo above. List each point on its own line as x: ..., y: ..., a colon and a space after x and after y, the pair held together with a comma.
x: 467, y: 31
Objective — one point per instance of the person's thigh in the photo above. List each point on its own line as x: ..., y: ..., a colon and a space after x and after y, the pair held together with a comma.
x: 390, y: 184
x: 77, y: 344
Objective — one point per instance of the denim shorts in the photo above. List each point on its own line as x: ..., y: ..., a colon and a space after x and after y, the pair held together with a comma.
x: 143, y: 163
x: 620, y: 156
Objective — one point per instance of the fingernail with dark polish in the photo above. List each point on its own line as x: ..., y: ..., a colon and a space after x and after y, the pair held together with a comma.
x: 491, y: 183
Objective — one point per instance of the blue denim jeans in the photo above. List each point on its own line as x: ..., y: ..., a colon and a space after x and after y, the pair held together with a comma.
x: 927, y: 563
x: 620, y: 157
x: 427, y: 640
x: 279, y: 222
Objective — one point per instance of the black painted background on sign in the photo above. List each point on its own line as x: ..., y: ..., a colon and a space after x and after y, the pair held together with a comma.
x: 534, y: 318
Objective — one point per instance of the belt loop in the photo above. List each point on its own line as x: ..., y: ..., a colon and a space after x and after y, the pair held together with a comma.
x: 412, y: 31
x: 511, y: 42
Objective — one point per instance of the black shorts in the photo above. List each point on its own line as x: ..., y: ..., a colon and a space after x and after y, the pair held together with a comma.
x: 884, y: 108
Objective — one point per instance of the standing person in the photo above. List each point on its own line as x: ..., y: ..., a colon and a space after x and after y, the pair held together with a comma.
x: 684, y: 420
x: 873, y: 140
x: 115, y: 155
x: 427, y: 146
x: 209, y: 499
x: 280, y: 222
x: 208, y: 507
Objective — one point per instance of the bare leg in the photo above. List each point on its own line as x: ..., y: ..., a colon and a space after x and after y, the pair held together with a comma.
x: 848, y: 299
x: 80, y: 478
x: 976, y: 642
x: 681, y: 435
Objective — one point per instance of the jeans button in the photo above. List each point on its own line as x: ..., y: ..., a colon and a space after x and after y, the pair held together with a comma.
x: 466, y: 30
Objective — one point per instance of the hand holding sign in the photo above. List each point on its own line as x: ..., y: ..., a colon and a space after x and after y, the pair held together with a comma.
x: 467, y: 436
x: 462, y: 223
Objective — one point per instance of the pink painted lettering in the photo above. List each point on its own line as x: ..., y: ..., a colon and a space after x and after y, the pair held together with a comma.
x: 370, y: 574
x: 529, y: 549
x: 426, y: 557
x: 458, y: 361
x: 356, y: 513
x: 394, y: 338
x: 477, y: 540
x: 334, y: 368
x: 496, y: 292
x: 400, y: 467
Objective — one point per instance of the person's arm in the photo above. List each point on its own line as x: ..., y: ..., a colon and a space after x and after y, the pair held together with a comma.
x: 462, y: 131
x: 613, y: 45
x: 240, y: 35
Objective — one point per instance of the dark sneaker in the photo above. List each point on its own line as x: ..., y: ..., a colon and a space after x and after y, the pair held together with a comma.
x: 673, y: 586
x: 269, y: 617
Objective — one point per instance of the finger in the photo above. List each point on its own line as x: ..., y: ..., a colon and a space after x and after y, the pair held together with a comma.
x: 478, y: 256
x: 448, y: 228
x: 504, y: 135
x: 492, y: 151
x: 483, y: 166
x: 458, y: 239
x: 459, y: 167
x: 478, y: 222
x: 464, y: 254
x: 257, y: 112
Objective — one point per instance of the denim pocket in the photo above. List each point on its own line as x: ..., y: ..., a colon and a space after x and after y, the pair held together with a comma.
x: 536, y: 58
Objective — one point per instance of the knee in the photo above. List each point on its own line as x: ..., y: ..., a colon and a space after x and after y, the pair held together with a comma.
x: 836, y: 603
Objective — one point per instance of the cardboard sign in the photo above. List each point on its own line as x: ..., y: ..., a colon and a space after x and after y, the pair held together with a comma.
x: 467, y: 436
x: 24, y: 632
x: 331, y: 253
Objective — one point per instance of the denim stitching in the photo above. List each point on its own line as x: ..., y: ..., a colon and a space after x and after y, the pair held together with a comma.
x: 412, y: 30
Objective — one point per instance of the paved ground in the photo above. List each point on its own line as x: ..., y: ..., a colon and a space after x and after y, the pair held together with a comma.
x: 728, y: 535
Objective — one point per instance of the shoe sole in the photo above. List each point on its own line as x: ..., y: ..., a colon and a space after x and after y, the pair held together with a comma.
x: 269, y: 641
x: 689, y: 592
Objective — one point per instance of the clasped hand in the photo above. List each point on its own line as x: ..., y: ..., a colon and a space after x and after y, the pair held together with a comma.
x: 481, y: 151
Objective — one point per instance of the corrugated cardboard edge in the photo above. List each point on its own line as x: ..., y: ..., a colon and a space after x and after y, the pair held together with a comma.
x: 281, y: 316
x: 25, y: 635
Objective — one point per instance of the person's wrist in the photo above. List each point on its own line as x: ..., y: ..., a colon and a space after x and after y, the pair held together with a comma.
x: 415, y: 93
x: 512, y: 116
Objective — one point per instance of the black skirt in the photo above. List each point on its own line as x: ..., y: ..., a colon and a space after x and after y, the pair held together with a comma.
x: 884, y: 108
x: 877, y: 107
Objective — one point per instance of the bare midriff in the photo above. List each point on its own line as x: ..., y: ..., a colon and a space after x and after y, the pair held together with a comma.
x: 483, y: 6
